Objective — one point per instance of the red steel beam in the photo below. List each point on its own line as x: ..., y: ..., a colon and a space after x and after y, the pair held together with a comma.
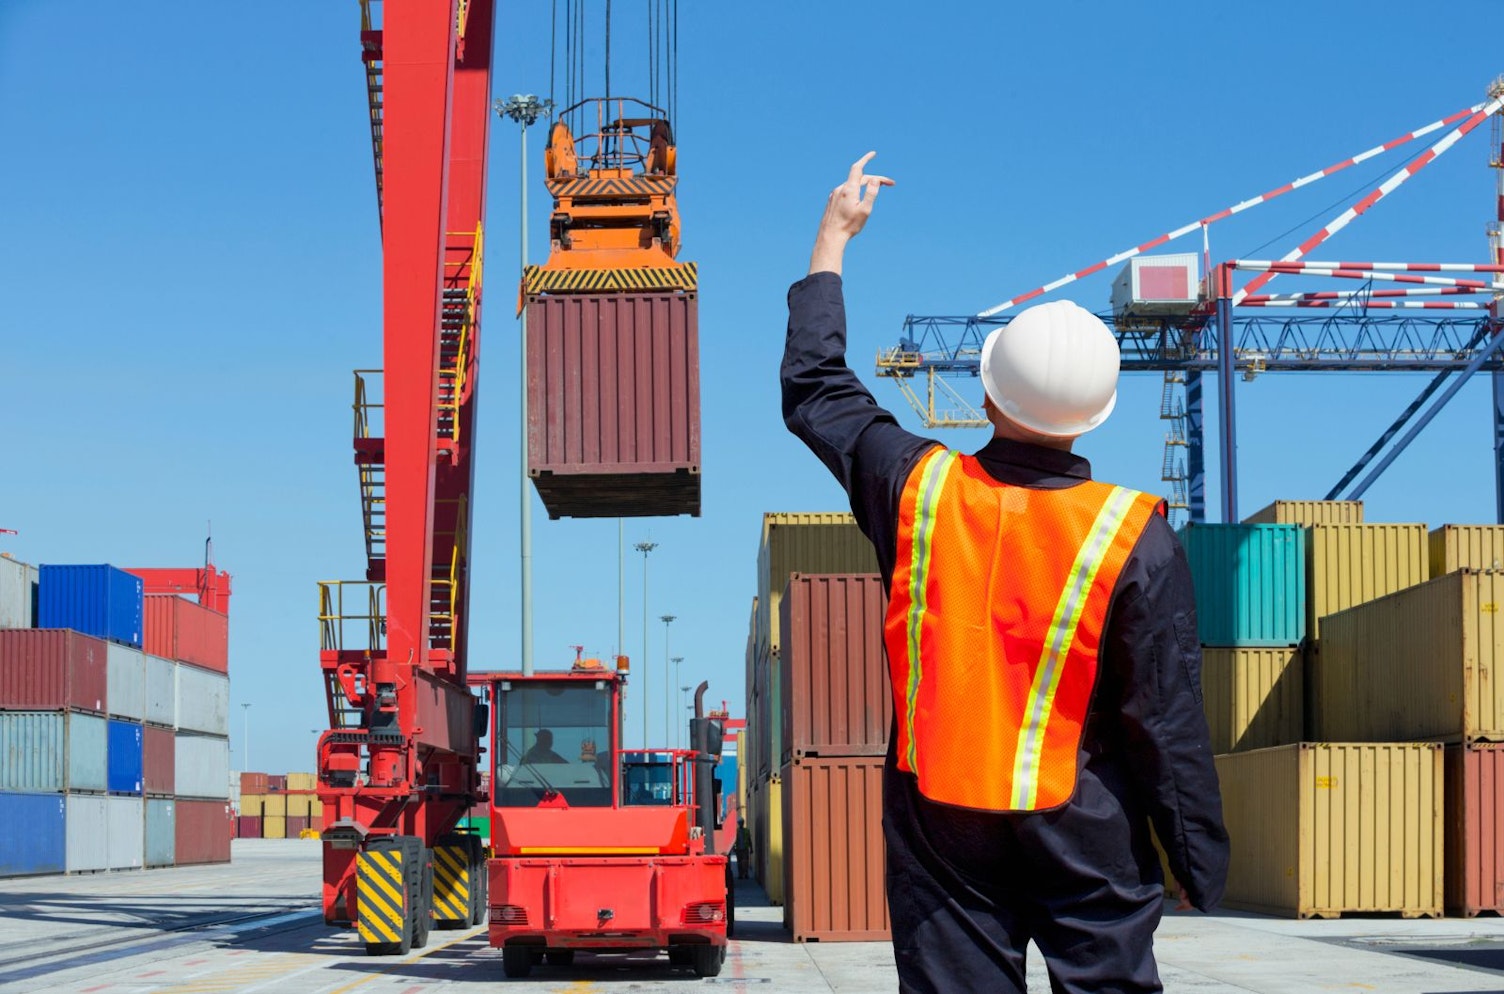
x: 211, y: 586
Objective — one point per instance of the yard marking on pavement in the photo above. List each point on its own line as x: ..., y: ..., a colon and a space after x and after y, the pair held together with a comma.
x: 411, y: 959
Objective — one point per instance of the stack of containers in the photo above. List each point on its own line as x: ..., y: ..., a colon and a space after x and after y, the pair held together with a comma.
x: 791, y: 543
x: 280, y: 807
x: 837, y: 708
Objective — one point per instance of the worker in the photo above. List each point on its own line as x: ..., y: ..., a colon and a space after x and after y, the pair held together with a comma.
x: 742, y: 847
x: 1041, y: 639
x: 543, y: 749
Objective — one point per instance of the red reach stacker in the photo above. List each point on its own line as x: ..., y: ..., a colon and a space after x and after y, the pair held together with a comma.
x: 595, y: 847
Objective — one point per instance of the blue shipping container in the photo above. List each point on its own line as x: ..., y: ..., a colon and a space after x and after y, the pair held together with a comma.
x: 32, y: 836
x: 1250, y: 583
x: 125, y: 757
x: 101, y: 601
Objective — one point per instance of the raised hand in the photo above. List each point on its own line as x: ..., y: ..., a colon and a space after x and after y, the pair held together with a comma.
x: 846, y: 213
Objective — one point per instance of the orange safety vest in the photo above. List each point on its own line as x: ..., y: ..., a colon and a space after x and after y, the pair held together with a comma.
x: 995, y: 620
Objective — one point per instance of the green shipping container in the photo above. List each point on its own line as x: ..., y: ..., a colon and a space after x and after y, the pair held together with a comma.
x: 1250, y: 583
x: 481, y: 825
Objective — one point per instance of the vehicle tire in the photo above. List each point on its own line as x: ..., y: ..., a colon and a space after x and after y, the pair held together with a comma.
x: 423, y: 906
x: 706, y: 960
x: 679, y: 956
x: 516, y: 961
x: 559, y: 957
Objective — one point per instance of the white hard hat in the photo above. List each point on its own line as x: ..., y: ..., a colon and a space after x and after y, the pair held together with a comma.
x: 1053, y: 369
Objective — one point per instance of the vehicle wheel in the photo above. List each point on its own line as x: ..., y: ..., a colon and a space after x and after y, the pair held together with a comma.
x: 559, y: 957
x: 706, y: 960
x: 678, y: 956
x: 423, y: 906
x: 516, y: 961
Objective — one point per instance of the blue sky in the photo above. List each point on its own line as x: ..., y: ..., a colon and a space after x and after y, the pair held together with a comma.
x: 189, y: 270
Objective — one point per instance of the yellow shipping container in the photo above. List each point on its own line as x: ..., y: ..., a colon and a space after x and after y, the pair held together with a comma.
x: 1353, y: 564
x: 251, y: 805
x: 1455, y: 547
x: 302, y: 781
x: 1320, y: 830
x: 274, y: 827
x: 815, y: 542
x: 1425, y: 663
x: 274, y: 805
x: 316, y: 812
x: 1308, y: 512
x: 1253, y: 697
x: 299, y: 805
x: 774, y: 882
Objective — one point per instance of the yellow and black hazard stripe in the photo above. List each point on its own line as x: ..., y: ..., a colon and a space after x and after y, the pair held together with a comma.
x: 381, y: 897
x: 451, y: 884
x: 537, y: 280
x: 633, y: 186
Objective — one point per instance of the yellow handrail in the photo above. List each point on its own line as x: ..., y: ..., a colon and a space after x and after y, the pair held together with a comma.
x: 332, y: 615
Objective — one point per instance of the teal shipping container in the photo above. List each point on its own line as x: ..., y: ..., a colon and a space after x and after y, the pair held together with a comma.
x: 1250, y: 583
x: 52, y: 751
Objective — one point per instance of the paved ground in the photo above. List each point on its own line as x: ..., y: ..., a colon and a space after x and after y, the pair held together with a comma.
x: 255, y: 926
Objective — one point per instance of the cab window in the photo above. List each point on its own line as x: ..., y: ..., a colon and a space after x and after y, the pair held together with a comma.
x: 553, y: 737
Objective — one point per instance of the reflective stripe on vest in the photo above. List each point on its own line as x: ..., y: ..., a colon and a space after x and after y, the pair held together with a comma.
x: 995, y: 618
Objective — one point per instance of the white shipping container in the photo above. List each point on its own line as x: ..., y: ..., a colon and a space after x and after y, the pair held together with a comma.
x: 88, y: 818
x: 18, y: 584
x: 203, y: 766
x: 126, y: 675
x: 1153, y: 285
x: 203, y: 701
x: 161, y: 832
x: 161, y: 691
x: 125, y: 833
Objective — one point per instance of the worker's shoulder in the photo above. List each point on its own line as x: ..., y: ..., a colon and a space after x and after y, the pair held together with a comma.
x: 1157, y: 547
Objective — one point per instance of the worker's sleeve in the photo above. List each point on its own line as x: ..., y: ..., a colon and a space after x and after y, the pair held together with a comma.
x: 1154, y: 657
x: 826, y: 406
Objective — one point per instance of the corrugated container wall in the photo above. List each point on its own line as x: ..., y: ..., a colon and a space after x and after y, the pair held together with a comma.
x: 1308, y: 512
x: 1424, y: 663
x: 1250, y: 583
x: 126, y: 679
x: 804, y: 543
x: 201, y: 832
x: 181, y: 630
x: 613, y: 402
x: 834, y: 688
x: 248, y: 827
x: 274, y: 826
x: 203, y: 701
x: 254, y: 783
x: 1475, y: 829
x: 17, y: 593
x: 1353, y: 564
x: 126, y: 757
x: 1253, y: 697
x: 1322, y: 830
x: 158, y: 760
x: 101, y: 601
x: 32, y: 838
x: 49, y: 669
x: 161, y: 691
x: 50, y: 751
x: 87, y: 822
x: 1455, y: 547
x: 125, y: 833
x: 302, y: 781
x: 833, y: 841
x: 201, y: 766
x: 161, y: 832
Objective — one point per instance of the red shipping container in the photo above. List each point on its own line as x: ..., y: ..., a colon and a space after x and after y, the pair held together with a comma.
x: 613, y: 402
x: 182, y: 630
x: 835, y: 690
x: 50, y: 669
x: 255, y: 783
x: 1474, y: 829
x: 833, y: 850
x: 276, y: 782
x: 247, y: 826
x: 203, y: 832
x: 159, y: 760
x: 296, y: 826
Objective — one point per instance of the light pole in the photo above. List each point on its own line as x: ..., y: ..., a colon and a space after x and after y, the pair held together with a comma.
x: 245, y: 738
x: 668, y: 688
x: 525, y: 110
x: 683, y: 707
x: 645, y: 548
x: 676, y: 661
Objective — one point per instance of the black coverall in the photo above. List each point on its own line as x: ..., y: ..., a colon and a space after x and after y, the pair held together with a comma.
x: 967, y: 889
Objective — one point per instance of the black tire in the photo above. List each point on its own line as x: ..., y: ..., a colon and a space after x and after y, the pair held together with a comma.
x: 423, y: 906
x: 707, y: 960
x: 559, y: 957
x: 516, y: 961
x: 679, y: 956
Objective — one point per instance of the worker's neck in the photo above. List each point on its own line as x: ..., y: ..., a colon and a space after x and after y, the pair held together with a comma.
x: 1003, y: 428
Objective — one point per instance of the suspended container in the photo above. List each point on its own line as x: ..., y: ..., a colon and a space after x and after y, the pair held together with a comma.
x: 1250, y: 583
x: 201, y: 832
x: 1424, y: 663
x: 52, y: 669
x: 1308, y: 512
x: 161, y: 691
x: 126, y: 679
x: 101, y: 601
x: 1322, y: 830
x: 18, y: 582
x: 1354, y: 564
x: 1254, y: 698
x: 201, y: 766
x: 53, y: 751
x: 1455, y: 547
x: 834, y: 692
x: 203, y: 701
x: 834, y: 850
x: 158, y: 761
x: 161, y: 832
x: 32, y: 834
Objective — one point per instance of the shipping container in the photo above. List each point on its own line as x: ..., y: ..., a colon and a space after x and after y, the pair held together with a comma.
x: 86, y: 825
x: 203, y: 701
x: 834, y: 693
x: 833, y: 850
x: 180, y: 630
x: 767, y: 837
x: 1254, y: 698
x: 158, y: 761
x: 53, y: 751
x: 302, y: 781
x: 161, y: 692
x: 126, y: 757
x: 101, y: 601
x: 254, y: 783
x: 1424, y: 663
x: 125, y: 833
x: 274, y: 826
x: 1250, y: 583
x: 1308, y: 512
x: 32, y: 834
x: 253, y: 804
x: 1475, y: 829
x: 276, y: 781
x: 18, y: 583
x: 613, y: 404
x: 248, y: 827
x: 201, y: 766
x: 275, y: 805
x: 52, y: 669
x: 818, y: 542
x: 202, y: 832
x: 1321, y: 830
x: 125, y: 678
x: 1154, y: 286
x: 1455, y: 547
x: 161, y: 832
x: 296, y: 826
x: 298, y: 805
x: 1353, y: 564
